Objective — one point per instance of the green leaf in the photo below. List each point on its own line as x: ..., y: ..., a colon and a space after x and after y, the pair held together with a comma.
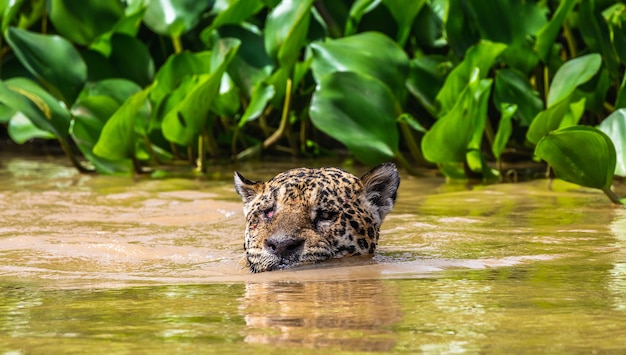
x: 547, y: 35
x: 505, y: 129
x: 131, y: 59
x: 426, y: 77
x: 572, y: 74
x: 90, y: 115
x: 461, y: 30
x: 251, y: 65
x: 51, y: 59
x: 368, y: 53
x: 404, y: 12
x: 286, y: 27
x: 461, y: 129
x: 81, y: 22
x: 591, y: 166
x: 620, y: 101
x: 227, y: 103
x: 596, y: 34
x: 21, y: 129
x: 174, y: 17
x: 118, y: 89
x: 186, y: 119
x: 615, y: 127
x: 357, y: 10
x: 553, y: 118
x: 481, y: 56
x: 512, y: 87
x: 359, y: 111
x: 261, y: 95
x: 117, y: 138
x: 233, y: 12
x: 38, y: 105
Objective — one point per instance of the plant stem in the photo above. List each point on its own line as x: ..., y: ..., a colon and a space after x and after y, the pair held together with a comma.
x: 284, y: 119
x: 68, y: 152
x: 612, y: 196
x: 414, y: 148
x: 178, y: 47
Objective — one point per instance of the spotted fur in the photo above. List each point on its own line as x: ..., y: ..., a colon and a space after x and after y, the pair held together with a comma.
x: 310, y: 215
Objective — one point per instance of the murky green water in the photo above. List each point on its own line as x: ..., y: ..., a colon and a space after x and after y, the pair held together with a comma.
x: 93, y: 264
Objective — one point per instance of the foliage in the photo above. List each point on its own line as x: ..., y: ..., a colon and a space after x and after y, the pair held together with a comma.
x: 137, y: 84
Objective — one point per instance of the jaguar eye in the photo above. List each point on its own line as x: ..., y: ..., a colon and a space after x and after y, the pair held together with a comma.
x: 269, y: 213
x: 325, y: 216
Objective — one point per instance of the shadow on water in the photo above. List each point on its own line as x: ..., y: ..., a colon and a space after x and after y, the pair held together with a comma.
x: 110, y: 265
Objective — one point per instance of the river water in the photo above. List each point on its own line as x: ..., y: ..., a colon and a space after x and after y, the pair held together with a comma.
x: 106, y: 265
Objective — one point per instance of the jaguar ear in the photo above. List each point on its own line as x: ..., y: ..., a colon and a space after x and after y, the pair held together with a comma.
x: 381, y: 187
x: 247, y: 189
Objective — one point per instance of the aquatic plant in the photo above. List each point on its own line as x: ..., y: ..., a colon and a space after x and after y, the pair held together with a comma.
x: 454, y: 84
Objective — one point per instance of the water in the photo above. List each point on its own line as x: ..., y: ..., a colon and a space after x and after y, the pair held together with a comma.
x: 95, y: 264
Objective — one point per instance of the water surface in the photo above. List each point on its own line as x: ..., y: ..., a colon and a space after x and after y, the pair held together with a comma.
x: 97, y: 264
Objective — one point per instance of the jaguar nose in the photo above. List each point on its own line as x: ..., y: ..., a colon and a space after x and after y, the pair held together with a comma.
x: 284, y: 246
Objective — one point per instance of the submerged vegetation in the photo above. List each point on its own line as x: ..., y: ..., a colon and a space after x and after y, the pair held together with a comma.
x: 458, y: 84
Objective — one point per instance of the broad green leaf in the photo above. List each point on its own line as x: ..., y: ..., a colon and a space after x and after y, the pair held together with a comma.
x: 286, y: 27
x: 261, y: 95
x: 461, y: 29
x: 553, y: 117
x: 174, y: 17
x: 481, y: 56
x: 51, y: 59
x: 131, y: 59
x: 90, y: 115
x: 461, y: 129
x: 580, y: 154
x: 359, y: 111
x: 615, y: 127
x: 404, y: 12
x: 176, y: 68
x: 547, y: 35
x: 21, y: 129
x: 505, y: 129
x: 44, y: 110
x: 233, y: 12
x: 186, y: 119
x: 117, y: 138
x: 81, y: 22
x: 22, y: 13
x: 572, y: 74
x: 512, y: 87
x: 118, y: 89
x: 369, y: 53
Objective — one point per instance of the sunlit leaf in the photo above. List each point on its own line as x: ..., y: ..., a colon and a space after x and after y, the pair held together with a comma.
x: 615, y: 127
x: 286, y: 27
x: 174, y: 17
x: 572, y: 74
x: 117, y: 138
x: 359, y: 111
x: 481, y: 56
x: 83, y: 21
x: 461, y: 129
x: 21, y: 129
x: 561, y: 115
x: 357, y: 10
x: 51, y: 59
x: 233, y: 12
x: 592, y: 166
x: 90, y: 115
x: 261, y: 95
x: 44, y: 110
x: 505, y: 129
x: 186, y: 119
x: 368, y: 53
